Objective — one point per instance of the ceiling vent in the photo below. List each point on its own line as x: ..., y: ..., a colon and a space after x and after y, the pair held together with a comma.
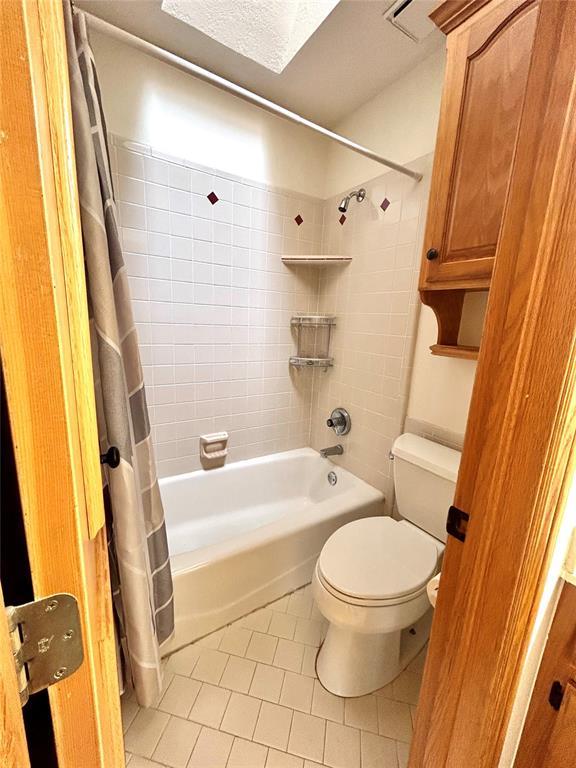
x: 411, y: 18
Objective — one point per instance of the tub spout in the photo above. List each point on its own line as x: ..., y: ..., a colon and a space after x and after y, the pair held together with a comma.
x: 334, y: 450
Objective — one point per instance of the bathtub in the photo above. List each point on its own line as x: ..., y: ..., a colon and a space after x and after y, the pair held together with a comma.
x: 246, y: 534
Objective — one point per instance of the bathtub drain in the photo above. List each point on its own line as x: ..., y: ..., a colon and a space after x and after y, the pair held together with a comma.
x: 332, y: 478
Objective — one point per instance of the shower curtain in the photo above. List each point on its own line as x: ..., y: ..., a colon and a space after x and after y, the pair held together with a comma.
x: 139, y: 563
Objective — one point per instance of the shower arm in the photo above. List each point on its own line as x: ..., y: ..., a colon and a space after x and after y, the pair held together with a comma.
x: 99, y: 25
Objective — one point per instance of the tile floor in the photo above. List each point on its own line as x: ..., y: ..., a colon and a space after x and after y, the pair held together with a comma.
x: 247, y: 697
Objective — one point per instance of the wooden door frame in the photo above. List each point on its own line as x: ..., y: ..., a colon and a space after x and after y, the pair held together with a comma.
x: 518, y: 451
x: 45, y: 348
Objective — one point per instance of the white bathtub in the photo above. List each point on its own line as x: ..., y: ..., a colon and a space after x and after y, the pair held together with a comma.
x: 244, y: 535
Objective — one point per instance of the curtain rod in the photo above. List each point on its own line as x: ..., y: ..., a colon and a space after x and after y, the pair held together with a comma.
x: 242, y: 93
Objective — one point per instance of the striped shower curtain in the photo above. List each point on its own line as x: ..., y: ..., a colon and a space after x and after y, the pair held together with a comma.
x: 139, y: 564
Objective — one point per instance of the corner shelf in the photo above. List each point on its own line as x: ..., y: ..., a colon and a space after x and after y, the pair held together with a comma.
x: 455, y: 350
x: 317, y: 261
x: 311, y: 362
x: 447, y: 305
x: 313, y: 337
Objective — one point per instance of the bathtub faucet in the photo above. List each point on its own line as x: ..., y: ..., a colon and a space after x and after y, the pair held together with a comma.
x: 335, y: 450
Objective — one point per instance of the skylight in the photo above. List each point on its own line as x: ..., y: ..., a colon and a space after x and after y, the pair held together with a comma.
x: 270, y: 32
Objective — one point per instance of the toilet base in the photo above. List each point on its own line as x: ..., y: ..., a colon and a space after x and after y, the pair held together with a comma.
x: 353, y: 664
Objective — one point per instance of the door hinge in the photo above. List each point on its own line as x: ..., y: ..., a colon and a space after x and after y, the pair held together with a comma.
x: 457, y: 523
x: 46, y: 638
x: 556, y: 695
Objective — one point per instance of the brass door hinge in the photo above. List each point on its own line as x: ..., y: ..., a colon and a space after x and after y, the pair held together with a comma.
x: 46, y: 638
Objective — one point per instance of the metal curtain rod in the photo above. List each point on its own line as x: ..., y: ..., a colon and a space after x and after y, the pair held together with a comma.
x: 242, y: 93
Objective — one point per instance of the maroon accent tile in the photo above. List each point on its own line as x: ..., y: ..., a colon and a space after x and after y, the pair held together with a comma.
x: 298, y: 219
x: 213, y: 197
x: 342, y: 219
x: 385, y: 203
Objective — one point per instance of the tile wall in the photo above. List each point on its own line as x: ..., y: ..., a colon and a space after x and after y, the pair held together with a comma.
x: 376, y: 303
x: 213, y: 303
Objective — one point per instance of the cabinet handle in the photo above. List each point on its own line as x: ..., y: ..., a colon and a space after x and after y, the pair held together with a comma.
x: 432, y: 254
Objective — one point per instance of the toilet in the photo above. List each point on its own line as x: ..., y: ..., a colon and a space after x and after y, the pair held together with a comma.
x: 370, y: 579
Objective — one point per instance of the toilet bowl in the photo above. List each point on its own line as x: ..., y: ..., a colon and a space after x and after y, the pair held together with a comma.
x: 370, y: 579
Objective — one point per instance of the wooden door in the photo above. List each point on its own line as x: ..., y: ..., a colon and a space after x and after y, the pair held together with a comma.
x: 519, y: 447
x: 488, y: 57
x: 45, y: 351
x: 549, y: 734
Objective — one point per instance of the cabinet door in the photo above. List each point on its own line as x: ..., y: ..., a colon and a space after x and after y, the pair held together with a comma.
x: 487, y: 68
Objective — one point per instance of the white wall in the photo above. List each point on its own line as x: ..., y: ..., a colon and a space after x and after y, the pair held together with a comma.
x: 441, y: 388
x: 399, y: 123
x: 148, y: 101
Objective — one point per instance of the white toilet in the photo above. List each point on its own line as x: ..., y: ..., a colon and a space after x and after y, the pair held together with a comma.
x: 370, y: 579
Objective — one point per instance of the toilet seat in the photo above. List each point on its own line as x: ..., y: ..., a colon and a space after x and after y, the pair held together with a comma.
x: 377, y: 561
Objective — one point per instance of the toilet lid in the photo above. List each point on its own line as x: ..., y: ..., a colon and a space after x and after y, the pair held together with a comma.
x: 377, y: 558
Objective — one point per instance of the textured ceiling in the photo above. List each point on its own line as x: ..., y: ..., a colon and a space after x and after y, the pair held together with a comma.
x: 352, y: 56
x: 270, y: 33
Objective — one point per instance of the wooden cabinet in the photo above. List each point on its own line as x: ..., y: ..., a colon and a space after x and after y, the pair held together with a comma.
x: 489, y: 47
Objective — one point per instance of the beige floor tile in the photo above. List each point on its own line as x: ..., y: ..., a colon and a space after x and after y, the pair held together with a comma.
x: 342, y: 746
x: 308, y: 631
x: 307, y: 736
x: 210, y: 706
x: 309, y: 661
x: 210, y: 666
x: 211, y: 750
x: 241, y: 715
x: 246, y: 754
x: 129, y: 709
x: 394, y: 719
x: 143, y: 762
x: 297, y: 691
x: 127, y: 758
x: 416, y: 666
x: 406, y: 687
x: 262, y: 647
x: 280, y: 605
x: 362, y: 712
x: 315, y: 612
x: 180, y: 696
x: 177, y: 742
x: 212, y: 640
x: 377, y: 751
x: 289, y: 655
x: 413, y: 711
x: 283, y: 625
x: 235, y: 640
x: 273, y: 726
x: 326, y: 704
x: 267, y: 683
x: 145, y: 731
x: 259, y: 621
x: 238, y: 674
x: 300, y: 604
x: 311, y: 764
x: 403, y: 753
x: 183, y: 662
x: 283, y: 760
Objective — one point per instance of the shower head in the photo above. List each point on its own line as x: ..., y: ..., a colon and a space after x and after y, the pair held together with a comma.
x: 359, y: 194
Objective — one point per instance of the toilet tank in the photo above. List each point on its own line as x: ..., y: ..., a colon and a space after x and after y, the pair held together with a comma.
x: 424, y: 481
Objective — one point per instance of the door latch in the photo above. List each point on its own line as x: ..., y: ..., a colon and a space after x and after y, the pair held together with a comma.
x: 457, y: 523
x: 46, y: 637
x: 556, y: 695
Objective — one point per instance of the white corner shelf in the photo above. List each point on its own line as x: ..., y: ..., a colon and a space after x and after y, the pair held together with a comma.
x: 317, y: 261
